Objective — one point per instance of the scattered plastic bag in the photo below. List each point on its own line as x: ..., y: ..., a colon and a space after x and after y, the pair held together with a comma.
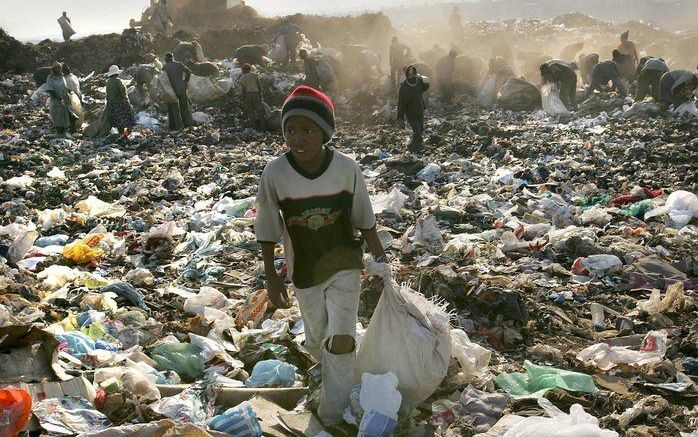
x: 539, y: 379
x: 240, y: 420
x: 389, y: 203
x: 674, y: 299
x: 15, y: 409
x: 69, y: 415
x: 472, y: 357
x: 380, y: 401
x: 409, y: 336
x: 429, y: 173
x: 193, y: 405
x: 606, y: 357
x: 597, y: 265
x: 552, y: 104
x: 272, y: 373
x: 94, y: 207
x: 252, y: 311
x: 576, y: 424
x: 682, y: 207
x: 183, y: 358
x: 428, y: 234
x: 208, y: 297
x: 687, y: 108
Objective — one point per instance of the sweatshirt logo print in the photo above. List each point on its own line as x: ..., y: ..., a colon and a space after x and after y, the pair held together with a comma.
x: 315, y: 219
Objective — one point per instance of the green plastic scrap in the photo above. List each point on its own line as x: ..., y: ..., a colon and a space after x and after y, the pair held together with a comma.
x: 539, y: 379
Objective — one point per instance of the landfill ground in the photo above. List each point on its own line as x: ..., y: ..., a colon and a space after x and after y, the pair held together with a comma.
x: 521, y: 224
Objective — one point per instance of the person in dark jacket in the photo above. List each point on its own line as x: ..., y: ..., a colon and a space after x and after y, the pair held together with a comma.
x: 178, y: 113
x: 677, y: 87
x: 445, y: 75
x: 312, y: 78
x: 649, y: 75
x: 607, y: 71
x: 410, y: 105
x: 251, y: 54
x: 563, y: 75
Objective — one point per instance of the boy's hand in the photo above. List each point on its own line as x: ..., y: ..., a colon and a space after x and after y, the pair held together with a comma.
x: 276, y: 289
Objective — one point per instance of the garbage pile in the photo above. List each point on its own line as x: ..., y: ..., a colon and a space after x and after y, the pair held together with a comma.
x: 549, y: 264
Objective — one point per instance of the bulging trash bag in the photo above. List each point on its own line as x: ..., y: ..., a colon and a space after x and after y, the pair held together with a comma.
x: 408, y: 335
x: 576, y: 424
x: 15, y: 409
x: 203, y: 89
x: 552, y: 104
x: 165, y: 87
x: 518, y: 95
x: 278, y: 51
x: 488, y: 94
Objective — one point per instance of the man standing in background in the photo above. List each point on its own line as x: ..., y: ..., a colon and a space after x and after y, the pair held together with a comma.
x: 66, y: 27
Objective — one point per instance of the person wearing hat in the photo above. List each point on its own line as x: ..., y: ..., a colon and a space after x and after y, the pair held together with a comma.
x: 315, y: 198
x: 59, y: 102
x: 251, y: 97
x: 410, y: 105
x: 178, y: 113
x: 118, y: 107
x: 310, y: 65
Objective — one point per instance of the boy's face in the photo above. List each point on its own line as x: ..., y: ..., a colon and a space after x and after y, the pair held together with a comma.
x: 304, y: 137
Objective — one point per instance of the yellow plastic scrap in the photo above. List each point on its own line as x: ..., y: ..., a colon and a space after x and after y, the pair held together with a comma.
x: 95, y: 331
x: 91, y: 282
x: 84, y: 251
x: 68, y: 324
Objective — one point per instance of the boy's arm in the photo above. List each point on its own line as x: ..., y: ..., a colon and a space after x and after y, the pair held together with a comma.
x: 275, y: 285
x: 363, y: 217
x: 374, y: 244
x: 268, y: 229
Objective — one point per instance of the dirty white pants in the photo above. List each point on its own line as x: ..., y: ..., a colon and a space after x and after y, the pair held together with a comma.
x: 330, y: 309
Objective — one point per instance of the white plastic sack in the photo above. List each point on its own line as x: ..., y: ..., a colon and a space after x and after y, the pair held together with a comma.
x: 95, y: 207
x: 606, y: 357
x: 576, y: 424
x: 472, y: 357
x: 389, y: 203
x: 552, y: 104
x: 409, y: 336
x: 488, y: 94
x: 325, y: 72
x: 380, y: 401
x: 688, y: 108
x: 202, y: 118
x: 202, y: 89
x: 278, y: 51
x: 682, y: 207
x: 144, y: 119
x: 165, y: 88
x: 208, y: 297
x: 428, y: 234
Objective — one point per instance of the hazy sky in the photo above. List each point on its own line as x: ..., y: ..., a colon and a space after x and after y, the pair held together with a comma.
x: 36, y: 19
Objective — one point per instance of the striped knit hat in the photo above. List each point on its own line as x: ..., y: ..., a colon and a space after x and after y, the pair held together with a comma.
x: 305, y: 101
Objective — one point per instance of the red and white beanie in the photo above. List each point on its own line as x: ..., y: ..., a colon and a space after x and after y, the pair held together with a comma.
x: 305, y: 101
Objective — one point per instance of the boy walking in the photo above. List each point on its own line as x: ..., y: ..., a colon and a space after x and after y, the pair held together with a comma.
x: 316, y: 198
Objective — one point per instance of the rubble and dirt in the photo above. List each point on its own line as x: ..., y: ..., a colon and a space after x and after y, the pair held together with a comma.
x: 563, y: 249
